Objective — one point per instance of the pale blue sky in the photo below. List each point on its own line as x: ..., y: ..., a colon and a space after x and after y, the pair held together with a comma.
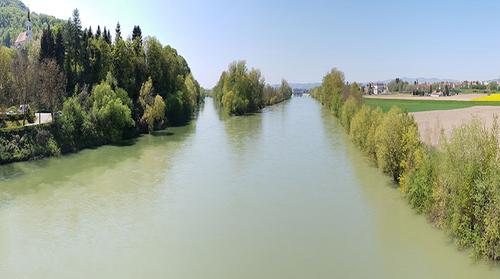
x: 302, y: 40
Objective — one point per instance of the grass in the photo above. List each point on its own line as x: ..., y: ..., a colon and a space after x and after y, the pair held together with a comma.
x: 426, y: 105
x: 473, y: 91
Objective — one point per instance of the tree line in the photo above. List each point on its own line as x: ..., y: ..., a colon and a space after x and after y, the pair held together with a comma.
x: 457, y: 185
x: 241, y: 90
x: 69, y: 61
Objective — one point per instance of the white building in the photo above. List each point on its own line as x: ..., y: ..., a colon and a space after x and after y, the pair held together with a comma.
x: 25, y: 37
x: 379, y: 88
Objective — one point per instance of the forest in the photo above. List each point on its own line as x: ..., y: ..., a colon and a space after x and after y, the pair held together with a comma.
x: 98, y: 88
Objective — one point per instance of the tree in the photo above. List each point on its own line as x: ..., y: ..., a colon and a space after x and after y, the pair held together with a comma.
x: 52, y: 85
x: 5, y: 75
x: 137, y: 39
x: 59, y: 50
x: 72, y: 43
x: 331, y: 90
x: 98, y: 32
x: 118, y: 32
x: 492, y: 86
x: 153, y: 106
x: 111, y: 112
x: 24, y: 82
x: 47, y: 45
x: 240, y: 90
x: 123, y: 69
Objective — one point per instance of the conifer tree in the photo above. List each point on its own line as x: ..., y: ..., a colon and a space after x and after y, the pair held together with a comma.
x: 118, y: 32
x: 98, y: 32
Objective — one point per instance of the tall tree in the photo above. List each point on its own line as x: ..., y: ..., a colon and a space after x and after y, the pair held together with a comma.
x: 137, y: 39
x: 47, y: 44
x: 118, y: 32
x: 52, y: 85
x: 59, y: 50
x: 98, y: 32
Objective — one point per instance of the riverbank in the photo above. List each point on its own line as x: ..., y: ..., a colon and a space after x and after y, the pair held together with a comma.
x: 455, y: 185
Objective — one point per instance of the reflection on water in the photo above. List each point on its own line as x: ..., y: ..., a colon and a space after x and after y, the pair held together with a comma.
x: 278, y: 194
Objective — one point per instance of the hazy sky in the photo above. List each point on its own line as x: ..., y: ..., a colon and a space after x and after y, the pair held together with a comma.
x: 302, y: 40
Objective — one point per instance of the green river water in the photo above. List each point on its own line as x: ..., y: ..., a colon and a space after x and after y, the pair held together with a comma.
x: 279, y: 194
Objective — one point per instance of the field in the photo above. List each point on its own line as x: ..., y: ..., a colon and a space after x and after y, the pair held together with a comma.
x: 492, y: 97
x: 426, y: 105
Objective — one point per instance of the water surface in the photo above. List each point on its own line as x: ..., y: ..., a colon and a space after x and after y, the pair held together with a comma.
x: 279, y: 194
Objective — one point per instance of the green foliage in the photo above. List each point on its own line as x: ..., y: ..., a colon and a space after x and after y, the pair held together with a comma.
x: 241, y: 90
x: 398, y: 86
x: 391, y: 148
x: 467, y: 182
x: 111, y: 112
x: 153, y: 106
x: 347, y: 112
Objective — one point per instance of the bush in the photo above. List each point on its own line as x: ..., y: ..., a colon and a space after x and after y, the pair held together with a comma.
x: 417, y: 183
x: 376, y: 117
x: 390, y: 142
x: 467, y: 183
x: 111, y: 112
x: 349, y: 109
x: 360, y: 127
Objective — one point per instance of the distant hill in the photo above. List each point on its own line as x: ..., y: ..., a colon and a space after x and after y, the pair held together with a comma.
x: 13, y: 16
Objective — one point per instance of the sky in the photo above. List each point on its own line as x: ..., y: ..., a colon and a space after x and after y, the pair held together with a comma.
x: 302, y: 40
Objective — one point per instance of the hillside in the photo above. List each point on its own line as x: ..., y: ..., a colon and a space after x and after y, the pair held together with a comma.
x: 13, y: 15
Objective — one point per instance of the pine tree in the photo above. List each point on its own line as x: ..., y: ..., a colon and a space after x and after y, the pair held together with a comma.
x: 90, y: 34
x: 137, y: 39
x: 109, y: 36
x: 98, y: 33
x: 118, y: 32
x: 47, y: 45
x: 59, y: 50
x: 137, y: 33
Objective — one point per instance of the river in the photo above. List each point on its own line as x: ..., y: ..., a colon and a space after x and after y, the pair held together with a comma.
x: 278, y: 194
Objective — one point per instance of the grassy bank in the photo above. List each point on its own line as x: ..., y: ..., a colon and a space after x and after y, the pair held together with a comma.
x: 425, y: 105
x: 457, y: 185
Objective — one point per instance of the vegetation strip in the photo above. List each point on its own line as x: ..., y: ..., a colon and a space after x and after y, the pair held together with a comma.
x: 457, y: 185
x: 240, y: 91
x: 425, y: 105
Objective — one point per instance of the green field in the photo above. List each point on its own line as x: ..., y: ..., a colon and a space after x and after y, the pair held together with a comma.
x: 424, y: 105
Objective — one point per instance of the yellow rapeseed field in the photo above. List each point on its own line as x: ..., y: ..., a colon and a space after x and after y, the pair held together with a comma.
x: 492, y: 97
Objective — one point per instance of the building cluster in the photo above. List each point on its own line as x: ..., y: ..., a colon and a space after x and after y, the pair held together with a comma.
x: 429, y: 88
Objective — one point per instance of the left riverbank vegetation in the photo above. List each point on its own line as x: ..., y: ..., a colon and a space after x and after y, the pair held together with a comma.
x: 240, y: 90
x: 97, y: 89
x: 456, y: 185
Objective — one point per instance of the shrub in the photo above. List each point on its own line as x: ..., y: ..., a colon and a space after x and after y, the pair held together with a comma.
x: 111, y: 112
x: 360, y: 127
x: 376, y: 117
x: 349, y: 109
x: 417, y: 183
x: 467, y: 182
x: 390, y: 142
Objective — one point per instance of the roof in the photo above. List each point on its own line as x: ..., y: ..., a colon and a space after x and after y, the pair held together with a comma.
x: 23, y: 37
